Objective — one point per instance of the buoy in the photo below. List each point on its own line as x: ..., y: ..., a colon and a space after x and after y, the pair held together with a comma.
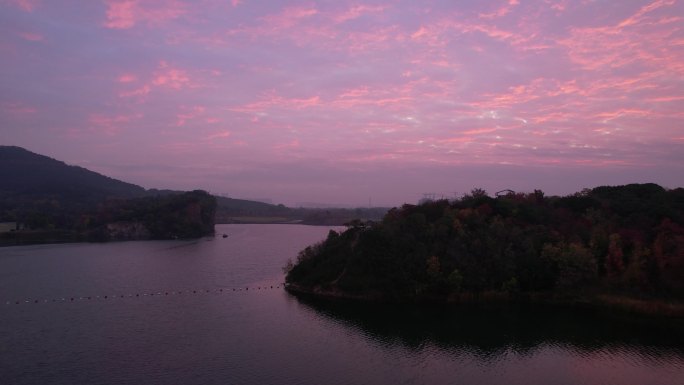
x: 105, y: 297
x: 36, y: 301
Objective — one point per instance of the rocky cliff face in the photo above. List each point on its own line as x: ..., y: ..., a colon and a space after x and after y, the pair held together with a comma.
x: 122, y: 231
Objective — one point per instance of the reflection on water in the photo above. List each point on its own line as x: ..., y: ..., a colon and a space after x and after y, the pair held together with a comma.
x: 260, y: 337
x: 492, y: 332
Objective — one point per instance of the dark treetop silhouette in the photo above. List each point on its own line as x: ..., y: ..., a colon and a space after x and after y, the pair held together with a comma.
x: 624, y: 241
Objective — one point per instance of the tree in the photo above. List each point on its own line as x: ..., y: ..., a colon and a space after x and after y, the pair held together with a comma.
x: 668, y: 250
x: 614, y: 263
x: 574, y: 264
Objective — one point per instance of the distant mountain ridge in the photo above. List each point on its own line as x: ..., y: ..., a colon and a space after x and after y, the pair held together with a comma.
x: 25, y: 173
x: 40, y: 191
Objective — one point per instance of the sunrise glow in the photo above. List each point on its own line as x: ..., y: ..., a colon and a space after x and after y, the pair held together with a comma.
x: 343, y: 101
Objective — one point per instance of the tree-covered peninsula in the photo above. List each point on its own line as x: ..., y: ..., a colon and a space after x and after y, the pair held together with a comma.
x: 609, y: 242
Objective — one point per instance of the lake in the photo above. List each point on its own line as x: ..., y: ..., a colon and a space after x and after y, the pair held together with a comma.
x: 213, y: 311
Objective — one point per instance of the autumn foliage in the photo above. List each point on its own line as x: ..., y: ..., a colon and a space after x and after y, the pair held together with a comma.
x: 625, y: 239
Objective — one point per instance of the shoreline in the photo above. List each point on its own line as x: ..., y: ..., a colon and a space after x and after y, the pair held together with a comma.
x: 58, y: 237
x: 662, y: 308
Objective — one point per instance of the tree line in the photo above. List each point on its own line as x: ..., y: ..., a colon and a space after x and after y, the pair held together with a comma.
x: 619, y: 239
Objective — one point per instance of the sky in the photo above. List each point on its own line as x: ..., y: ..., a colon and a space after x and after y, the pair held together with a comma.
x: 349, y: 102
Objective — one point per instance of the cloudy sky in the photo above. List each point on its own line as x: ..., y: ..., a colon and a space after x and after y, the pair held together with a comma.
x: 341, y: 101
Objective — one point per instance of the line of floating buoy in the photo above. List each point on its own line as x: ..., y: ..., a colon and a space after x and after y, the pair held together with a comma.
x: 138, y: 295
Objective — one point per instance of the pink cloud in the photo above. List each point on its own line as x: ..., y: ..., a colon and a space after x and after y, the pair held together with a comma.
x: 124, y: 14
x: 354, y: 92
x: 25, y: 5
x: 396, y: 97
x: 189, y: 114
x: 640, y: 38
x: 18, y: 108
x: 30, y: 36
x: 273, y: 101
x: 289, y: 17
x: 121, y: 14
x: 554, y: 82
x: 288, y: 145
x: 375, y: 39
x: 500, y: 12
x: 127, y: 78
x: 622, y: 112
x: 638, y: 16
x: 141, y: 91
x: 110, y: 125
x: 494, y: 32
x: 357, y: 11
x: 166, y: 76
x: 666, y: 99
x: 559, y: 6
x: 479, y: 131
x: 219, y: 135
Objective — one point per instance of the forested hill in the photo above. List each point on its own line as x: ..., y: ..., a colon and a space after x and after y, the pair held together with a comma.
x: 619, y: 240
x: 46, y: 200
x: 24, y: 173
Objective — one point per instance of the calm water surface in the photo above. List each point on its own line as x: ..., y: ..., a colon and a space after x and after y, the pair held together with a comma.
x: 265, y: 336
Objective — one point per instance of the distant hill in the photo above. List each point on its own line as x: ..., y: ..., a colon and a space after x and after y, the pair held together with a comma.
x: 45, y: 193
x: 24, y: 173
x: 232, y: 210
x: 46, y: 200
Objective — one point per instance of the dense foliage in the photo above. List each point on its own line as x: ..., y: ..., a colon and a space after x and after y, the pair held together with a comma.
x: 186, y: 215
x: 182, y: 215
x: 627, y: 239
